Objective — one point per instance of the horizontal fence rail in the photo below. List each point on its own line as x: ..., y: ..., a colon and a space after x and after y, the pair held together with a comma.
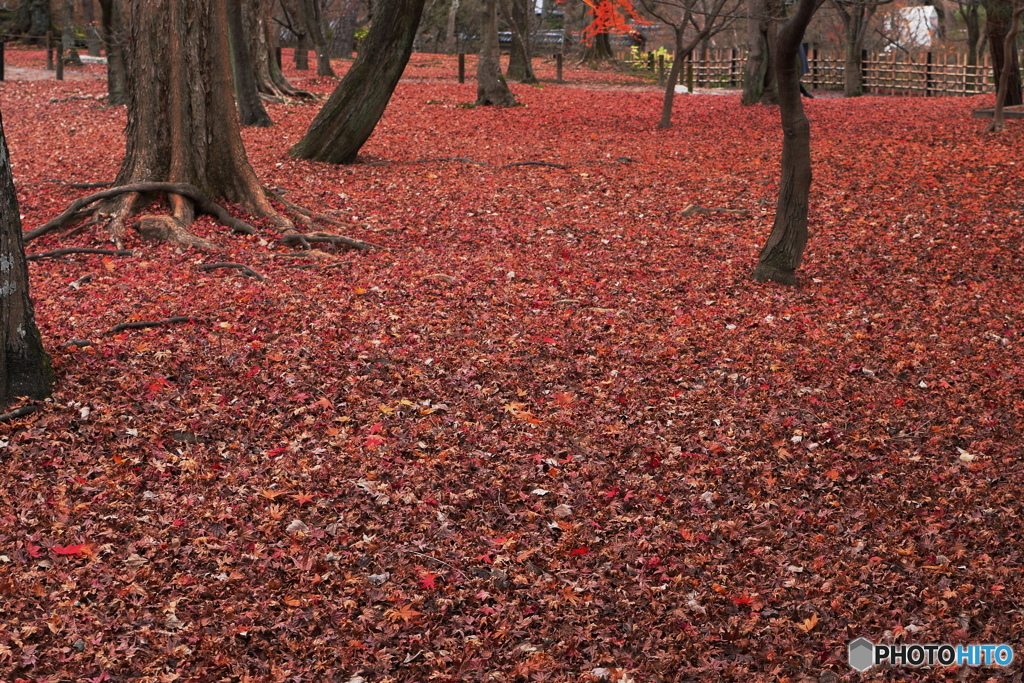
x: 926, y: 74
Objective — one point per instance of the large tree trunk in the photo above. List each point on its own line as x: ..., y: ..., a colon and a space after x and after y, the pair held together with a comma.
x: 759, y: 79
x: 67, y: 33
x: 112, y: 23
x: 251, y: 111
x: 311, y: 14
x: 92, y: 33
x: 34, y: 20
x: 182, y: 126
x: 520, y: 62
x: 24, y: 365
x: 997, y: 26
x: 491, y: 87
x: 783, y: 251
x: 351, y: 113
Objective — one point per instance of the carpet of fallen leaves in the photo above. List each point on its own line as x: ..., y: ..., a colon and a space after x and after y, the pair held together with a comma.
x: 552, y: 431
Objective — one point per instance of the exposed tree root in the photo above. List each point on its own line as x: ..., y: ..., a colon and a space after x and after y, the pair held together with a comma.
x: 113, y: 207
x: 56, y: 253
x: 693, y: 210
x: 18, y: 412
x: 246, y: 270
x: 142, y: 324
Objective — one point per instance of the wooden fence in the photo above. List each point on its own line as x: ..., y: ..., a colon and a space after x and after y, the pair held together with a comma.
x: 927, y: 74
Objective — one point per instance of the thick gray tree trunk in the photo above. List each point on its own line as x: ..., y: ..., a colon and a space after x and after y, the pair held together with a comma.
x: 67, y: 33
x: 520, y: 61
x: 351, y: 113
x: 759, y: 79
x: 491, y: 87
x: 24, y: 365
x: 997, y: 26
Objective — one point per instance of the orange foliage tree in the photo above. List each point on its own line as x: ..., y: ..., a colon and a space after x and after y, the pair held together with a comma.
x: 607, y: 17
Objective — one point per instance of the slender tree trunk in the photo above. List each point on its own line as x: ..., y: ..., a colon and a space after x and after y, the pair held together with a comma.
x: 344, y: 42
x: 24, y: 365
x: 182, y: 126
x: 783, y: 252
x: 92, y: 32
x: 520, y: 62
x: 673, y: 78
x: 311, y: 13
x: 112, y: 24
x: 998, y: 116
x: 67, y: 33
x: 997, y: 25
x: 759, y: 79
x: 451, y: 39
x: 251, y: 111
x: 351, y: 113
x: 491, y: 87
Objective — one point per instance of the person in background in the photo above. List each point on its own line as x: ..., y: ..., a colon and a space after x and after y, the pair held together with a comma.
x: 804, y: 68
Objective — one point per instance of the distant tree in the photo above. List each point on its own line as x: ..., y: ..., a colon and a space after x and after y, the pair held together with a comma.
x: 704, y: 17
x: 856, y: 16
x: 310, y: 14
x: 93, y: 39
x: 970, y: 11
x: 113, y: 32
x: 783, y: 252
x: 251, y: 111
x: 351, y: 113
x: 607, y: 17
x: 1002, y: 91
x: 33, y: 20
x: 759, y: 77
x: 343, y: 41
x: 24, y: 365
x: 259, y: 26
x: 67, y: 33
x: 491, y: 87
x: 998, y: 16
x: 518, y: 16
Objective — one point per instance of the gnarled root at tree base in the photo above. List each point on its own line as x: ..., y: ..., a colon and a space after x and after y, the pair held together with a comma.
x: 114, y: 207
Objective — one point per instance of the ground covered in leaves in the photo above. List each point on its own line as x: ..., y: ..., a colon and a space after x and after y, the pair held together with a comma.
x: 551, y: 431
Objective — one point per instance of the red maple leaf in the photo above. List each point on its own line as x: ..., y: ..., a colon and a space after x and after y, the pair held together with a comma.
x: 582, y: 550
x: 33, y: 549
x: 428, y: 580
x: 68, y: 549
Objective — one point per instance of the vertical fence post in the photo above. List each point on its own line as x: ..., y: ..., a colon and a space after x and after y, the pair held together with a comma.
x: 661, y: 69
x: 462, y: 67
x: 49, y: 52
x: 558, y: 67
x: 928, y: 75
x: 732, y: 67
x: 689, y: 72
x: 59, y: 60
x: 864, y: 71
x: 814, y: 68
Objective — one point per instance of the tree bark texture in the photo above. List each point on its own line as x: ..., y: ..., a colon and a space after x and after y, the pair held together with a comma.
x: 251, y: 111
x: 182, y: 126
x: 997, y: 26
x: 759, y: 79
x: 783, y: 252
x: 518, y: 16
x: 998, y: 115
x: 259, y: 27
x: 972, y: 21
x: 491, y: 88
x: 351, y: 113
x: 451, y: 38
x: 113, y: 31
x: 24, y: 365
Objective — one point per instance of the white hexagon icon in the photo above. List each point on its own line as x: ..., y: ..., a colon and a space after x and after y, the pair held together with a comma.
x: 861, y: 653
